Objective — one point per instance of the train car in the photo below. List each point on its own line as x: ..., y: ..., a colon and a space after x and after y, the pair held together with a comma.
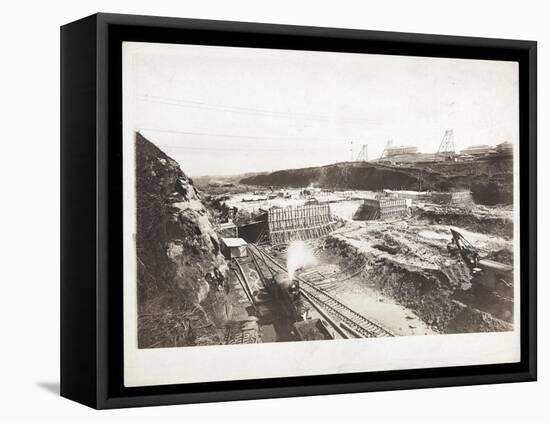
x: 311, y: 330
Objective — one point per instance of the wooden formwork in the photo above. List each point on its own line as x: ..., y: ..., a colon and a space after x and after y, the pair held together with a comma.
x: 454, y: 199
x: 373, y: 209
x: 393, y: 208
x: 299, y: 223
x: 461, y: 198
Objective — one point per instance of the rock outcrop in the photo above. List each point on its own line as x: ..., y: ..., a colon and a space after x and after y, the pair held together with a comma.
x: 181, y: 271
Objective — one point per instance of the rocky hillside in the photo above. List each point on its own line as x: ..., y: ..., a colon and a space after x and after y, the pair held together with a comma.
x: 489, y: 180
x: 181, y: 271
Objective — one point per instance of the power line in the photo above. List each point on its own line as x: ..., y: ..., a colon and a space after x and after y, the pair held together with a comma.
x: 247, y: 110
x: 193, y: 103
x: 251, y: 148
x: 222, y: 135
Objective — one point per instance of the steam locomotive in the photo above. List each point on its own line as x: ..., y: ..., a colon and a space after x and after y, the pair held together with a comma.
x: 287, y: 294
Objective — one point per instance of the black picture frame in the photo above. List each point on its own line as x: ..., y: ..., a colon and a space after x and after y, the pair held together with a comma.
x: 91, y: 205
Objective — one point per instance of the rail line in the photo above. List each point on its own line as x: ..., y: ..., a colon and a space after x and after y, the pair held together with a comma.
x: 358, y: 323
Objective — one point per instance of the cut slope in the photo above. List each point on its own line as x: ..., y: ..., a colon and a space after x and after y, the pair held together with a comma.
x: 180, y: 267
x: 490, y: 181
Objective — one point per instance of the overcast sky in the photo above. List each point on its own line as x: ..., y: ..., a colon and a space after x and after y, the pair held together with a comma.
x: 220, y: 111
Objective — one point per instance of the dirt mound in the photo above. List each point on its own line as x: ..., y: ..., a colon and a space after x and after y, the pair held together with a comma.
x: 180, y: 267
x: 472, y: 320
x: 487, y: 223
x: 504, y: 255
x: 490, y: 180
x: 429, y: 291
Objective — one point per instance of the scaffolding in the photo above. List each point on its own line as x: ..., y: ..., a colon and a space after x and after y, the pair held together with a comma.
x: 363, y: 155
x: 299, y: 223
x: 383, y: 208
x: 447, y: 145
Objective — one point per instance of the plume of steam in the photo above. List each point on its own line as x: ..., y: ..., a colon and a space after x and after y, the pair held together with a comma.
x: 299, y: 254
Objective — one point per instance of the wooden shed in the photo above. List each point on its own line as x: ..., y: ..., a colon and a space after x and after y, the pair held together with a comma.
x: 234, y: 247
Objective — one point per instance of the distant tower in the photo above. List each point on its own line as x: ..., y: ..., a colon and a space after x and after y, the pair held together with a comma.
x: 388, y: 144
x: 363, y: 155
x: 447, y: 146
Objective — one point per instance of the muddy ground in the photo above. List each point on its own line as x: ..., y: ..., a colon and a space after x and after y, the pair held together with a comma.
x: 408, y: 262
x: 346, y: 280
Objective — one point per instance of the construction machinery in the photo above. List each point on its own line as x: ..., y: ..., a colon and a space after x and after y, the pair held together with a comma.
x: 487, y: 273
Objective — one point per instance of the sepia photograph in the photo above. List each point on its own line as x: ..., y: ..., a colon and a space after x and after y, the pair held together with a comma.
x: 286, y: 201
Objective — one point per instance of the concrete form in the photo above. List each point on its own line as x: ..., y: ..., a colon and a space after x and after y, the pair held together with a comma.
x: 415, y: 158
x: 397, y: 150
x: 299, y: 223
x: 382, y: 208
x: 505, y: 148
x: 453, y: 199
x: 477, y: 150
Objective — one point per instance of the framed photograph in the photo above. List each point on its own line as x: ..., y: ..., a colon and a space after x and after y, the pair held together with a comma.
x: 256, y: 211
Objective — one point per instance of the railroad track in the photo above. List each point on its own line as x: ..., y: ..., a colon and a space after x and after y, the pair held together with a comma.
x: 241, y: 336
x: 357, y: 322
x: 319, y: 280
